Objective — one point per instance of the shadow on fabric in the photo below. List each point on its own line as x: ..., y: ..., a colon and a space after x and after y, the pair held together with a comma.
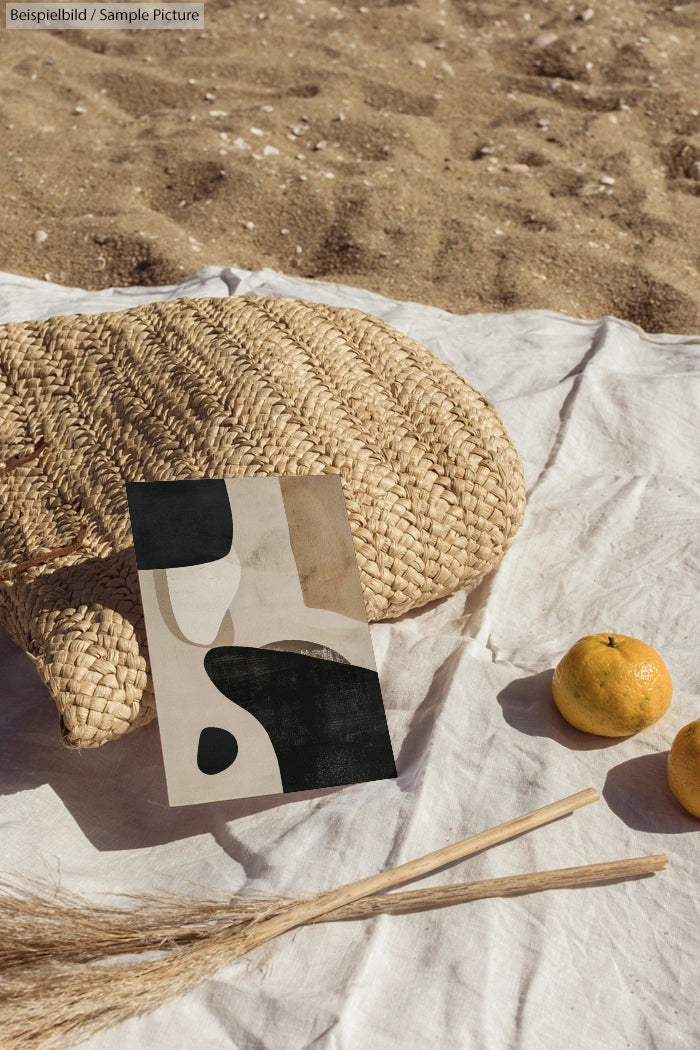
x: 528, y: 706
x: 637, y: 792
x: 413, y: 755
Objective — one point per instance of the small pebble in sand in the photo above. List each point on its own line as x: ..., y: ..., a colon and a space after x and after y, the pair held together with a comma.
x: 543, y: 122
x: 78, y: 110
x: 694, y: 170
x: 516, y: 169
x: 589, y: 188
x: 40, y: 236
x: 249, y: 225
x: 544, y: 39
x: 586, y: 15
x: 606, y: 180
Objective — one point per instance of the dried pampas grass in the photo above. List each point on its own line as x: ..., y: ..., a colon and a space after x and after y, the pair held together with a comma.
x: 58, y: 988
x: 71, y: 967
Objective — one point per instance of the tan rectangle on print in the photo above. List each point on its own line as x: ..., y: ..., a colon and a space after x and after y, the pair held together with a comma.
x: 322, y: 544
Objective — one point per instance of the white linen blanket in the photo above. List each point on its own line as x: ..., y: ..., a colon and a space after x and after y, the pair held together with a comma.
x: 605, y: 419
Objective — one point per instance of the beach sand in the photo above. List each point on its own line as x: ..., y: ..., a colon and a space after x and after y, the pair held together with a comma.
x: 479, y: 157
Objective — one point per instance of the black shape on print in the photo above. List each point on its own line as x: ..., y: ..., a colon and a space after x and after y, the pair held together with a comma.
x: 326, y: 720
x: 217, y: 750
x: 178, y: 523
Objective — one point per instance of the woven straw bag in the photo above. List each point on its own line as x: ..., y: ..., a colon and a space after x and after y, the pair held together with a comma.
x: 199, y: 388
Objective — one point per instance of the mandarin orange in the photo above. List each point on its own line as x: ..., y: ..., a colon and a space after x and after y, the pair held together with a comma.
x: 684, y: 767
x: 611, y: 685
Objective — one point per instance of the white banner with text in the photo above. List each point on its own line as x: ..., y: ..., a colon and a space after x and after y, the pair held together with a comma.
x: 104, y: 16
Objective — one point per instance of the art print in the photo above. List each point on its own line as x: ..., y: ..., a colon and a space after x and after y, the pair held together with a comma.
x: 260, y: 652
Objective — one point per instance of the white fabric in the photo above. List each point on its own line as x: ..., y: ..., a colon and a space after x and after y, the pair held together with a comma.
x: 606, y: 422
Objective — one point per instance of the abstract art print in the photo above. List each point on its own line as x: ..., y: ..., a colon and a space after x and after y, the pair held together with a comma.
x: 260, y: 652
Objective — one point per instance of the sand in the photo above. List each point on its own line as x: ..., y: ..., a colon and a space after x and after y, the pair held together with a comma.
x: 474, y: 156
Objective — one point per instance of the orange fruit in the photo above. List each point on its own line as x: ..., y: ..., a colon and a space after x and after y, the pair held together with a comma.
x: 684, y: 767
x: 611, y: 685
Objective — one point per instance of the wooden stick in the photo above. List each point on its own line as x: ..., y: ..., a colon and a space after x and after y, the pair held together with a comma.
x: 509, y: 886
x: 308, y: 910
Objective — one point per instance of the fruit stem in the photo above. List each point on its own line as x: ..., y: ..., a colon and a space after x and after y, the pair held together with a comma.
x: 611, y: 642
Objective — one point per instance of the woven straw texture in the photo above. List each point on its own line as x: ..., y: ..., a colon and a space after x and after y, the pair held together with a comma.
x: 209, y: 388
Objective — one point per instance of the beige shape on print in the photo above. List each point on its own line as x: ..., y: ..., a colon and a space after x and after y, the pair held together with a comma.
x: 187, y: 702
x: 200, y: 596
x: 270, y: 605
